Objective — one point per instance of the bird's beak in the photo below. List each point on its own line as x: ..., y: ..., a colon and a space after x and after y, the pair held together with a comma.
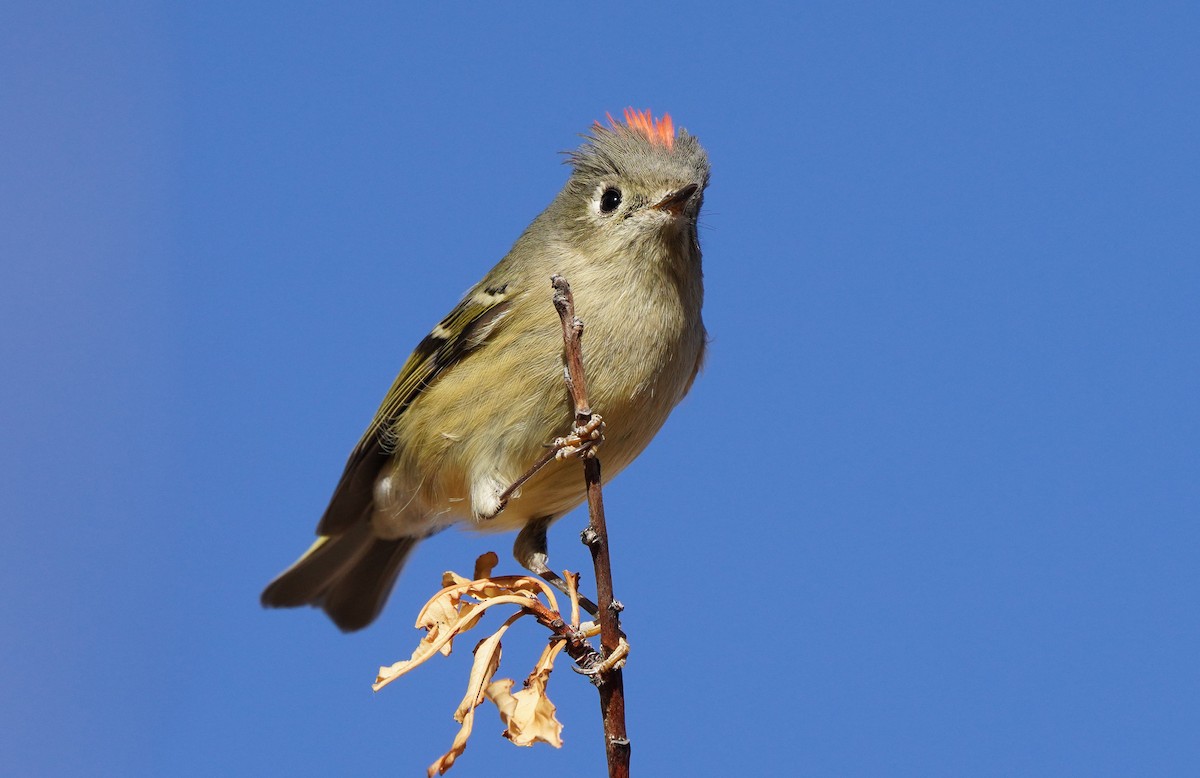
x: 675, y: 201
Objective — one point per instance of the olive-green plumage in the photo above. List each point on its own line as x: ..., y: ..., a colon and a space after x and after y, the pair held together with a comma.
x: 482, y: 395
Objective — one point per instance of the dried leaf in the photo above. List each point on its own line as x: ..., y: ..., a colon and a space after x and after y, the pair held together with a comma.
x: 485, y: 564
x: 572, y: 580
x: 487, y: 659
x: 432, y: 644
x: 486, y: 588
x: 528, y: 715
x: 445, y: 616
x: 438, y: 616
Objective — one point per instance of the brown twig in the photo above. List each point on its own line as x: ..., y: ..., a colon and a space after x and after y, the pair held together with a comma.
x: 586, y: 657
x: 612, y: 685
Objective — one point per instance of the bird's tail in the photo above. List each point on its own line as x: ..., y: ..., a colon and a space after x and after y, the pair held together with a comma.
x: 349, y: 576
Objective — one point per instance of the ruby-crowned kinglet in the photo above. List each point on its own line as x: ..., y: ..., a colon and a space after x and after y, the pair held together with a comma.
x: 482, y: 395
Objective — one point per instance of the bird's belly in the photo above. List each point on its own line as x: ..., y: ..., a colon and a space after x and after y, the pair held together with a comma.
x: 491, y: 431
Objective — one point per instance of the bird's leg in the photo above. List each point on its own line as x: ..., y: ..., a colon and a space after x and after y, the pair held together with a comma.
x: 530, y: 550
x: 583, y: 438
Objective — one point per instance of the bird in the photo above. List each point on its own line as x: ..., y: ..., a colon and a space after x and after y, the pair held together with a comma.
x: 482, y: 395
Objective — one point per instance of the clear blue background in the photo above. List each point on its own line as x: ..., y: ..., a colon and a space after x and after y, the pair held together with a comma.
x: 932, y: 509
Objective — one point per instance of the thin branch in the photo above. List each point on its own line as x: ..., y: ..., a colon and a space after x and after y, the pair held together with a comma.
x: 612, y: 685
x: 577, y: 646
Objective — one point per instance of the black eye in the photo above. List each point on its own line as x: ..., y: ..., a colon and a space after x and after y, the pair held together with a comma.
x: 610, y: 200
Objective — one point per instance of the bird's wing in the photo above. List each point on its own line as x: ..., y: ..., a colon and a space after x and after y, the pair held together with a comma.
x: 464, y: 329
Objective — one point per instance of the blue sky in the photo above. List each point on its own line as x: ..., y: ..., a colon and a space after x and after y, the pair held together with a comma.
x: 930, y: 510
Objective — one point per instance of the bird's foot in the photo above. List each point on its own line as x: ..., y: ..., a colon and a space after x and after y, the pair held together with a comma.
x: 583, y: 438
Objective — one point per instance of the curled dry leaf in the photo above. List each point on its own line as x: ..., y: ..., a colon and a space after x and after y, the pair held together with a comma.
x: 487, y: 659
x: 439, y: 616
x: 528, y: 715
x: 446, y: 615
x: 432, y: 643
x: 572, y: 580
x: 485, y: 564
x: 443, y: 618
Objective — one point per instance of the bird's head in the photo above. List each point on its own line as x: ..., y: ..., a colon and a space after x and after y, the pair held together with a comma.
x: 635, y: 182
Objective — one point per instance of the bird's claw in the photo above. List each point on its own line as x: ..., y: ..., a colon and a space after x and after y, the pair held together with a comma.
x: 583, y: 438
